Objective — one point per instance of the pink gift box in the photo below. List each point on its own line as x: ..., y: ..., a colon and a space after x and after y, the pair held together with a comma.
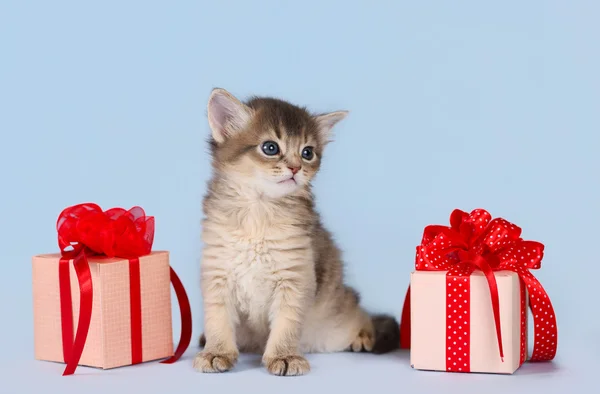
x: 466, y: 307
x: 428, y: 324
x: 109, y: 340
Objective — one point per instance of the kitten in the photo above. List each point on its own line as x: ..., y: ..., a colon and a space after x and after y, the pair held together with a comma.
x: 271, y: 275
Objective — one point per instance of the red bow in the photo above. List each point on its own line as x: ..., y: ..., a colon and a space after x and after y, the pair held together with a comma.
x: 115, y: 232
x: 85, y: 230
x: 476, y: 236
x: 475, y: 241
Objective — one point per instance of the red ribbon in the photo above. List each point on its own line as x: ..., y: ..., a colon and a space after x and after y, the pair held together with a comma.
x: 85, y: 230
x: 476, y: 242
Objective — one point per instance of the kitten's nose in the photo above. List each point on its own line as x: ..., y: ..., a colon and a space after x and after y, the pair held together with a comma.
x: 294, y: 170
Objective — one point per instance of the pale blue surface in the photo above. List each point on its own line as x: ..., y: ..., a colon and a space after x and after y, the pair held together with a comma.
x: 453, y: 105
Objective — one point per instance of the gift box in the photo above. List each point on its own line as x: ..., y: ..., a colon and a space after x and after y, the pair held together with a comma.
x: 104, y: 301
x: 466, y: 306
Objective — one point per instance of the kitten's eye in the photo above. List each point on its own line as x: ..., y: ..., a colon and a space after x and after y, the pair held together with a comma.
x: 270, y: 148
x: 307, y: 153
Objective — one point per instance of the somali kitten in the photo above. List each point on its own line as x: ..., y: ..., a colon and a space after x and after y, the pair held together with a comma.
x: 271, y: 275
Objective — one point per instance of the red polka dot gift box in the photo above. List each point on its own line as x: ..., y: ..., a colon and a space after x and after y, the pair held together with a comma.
x: 466, y: 306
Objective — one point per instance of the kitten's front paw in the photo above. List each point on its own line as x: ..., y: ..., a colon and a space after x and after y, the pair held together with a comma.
x: 291, y: 365
x: 209, y: 362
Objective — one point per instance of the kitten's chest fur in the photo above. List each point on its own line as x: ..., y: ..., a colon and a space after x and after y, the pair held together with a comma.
x: 252, y: 276
x: 256, y: 241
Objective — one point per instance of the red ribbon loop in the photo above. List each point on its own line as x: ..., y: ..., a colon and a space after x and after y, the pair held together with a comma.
x: 85, y: 230
x: 72, y: 351
x: 488, y: 245
x: 186, y: 319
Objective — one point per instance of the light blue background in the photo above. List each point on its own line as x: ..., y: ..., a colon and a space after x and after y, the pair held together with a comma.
x: 453, y: 105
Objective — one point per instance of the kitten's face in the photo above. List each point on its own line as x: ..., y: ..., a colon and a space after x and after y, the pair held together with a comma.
x: 280, y: 160
x: 269, y: 145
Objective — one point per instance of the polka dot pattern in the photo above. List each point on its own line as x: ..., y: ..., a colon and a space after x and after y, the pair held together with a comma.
x: 478, y: 220
x: 545, y: 330
x: 524, y: 254
x: 523, y: 321
x: 458, y: 327
x: 499, y: 243
x: 500, y: 234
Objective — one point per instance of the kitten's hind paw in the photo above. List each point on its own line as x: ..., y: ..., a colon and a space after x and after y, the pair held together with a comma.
x: 363, y: 342
x: 292, y: 365
x: 210, y: 362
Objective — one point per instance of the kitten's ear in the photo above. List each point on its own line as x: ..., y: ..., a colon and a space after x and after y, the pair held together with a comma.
x: 326, y: 122
x: 226, y: 114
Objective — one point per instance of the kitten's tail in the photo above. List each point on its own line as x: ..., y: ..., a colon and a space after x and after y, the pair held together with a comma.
x: 387, y: 333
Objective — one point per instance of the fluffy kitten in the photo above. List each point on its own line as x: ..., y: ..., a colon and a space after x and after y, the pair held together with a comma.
x: 271, y: 275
